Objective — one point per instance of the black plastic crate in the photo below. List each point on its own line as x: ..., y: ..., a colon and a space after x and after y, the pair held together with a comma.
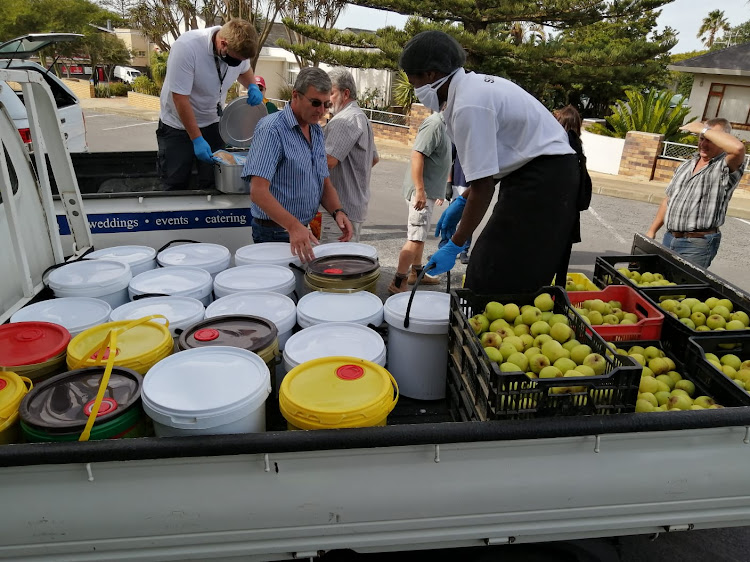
x: 707, y: 383
x: 675, y: 334
x: 605, y: 270
x: 720, y: 344
x: 497, y: 395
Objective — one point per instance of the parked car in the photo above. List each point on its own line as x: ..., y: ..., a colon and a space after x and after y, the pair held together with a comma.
x: 126, y: 73
x: 15, y: 54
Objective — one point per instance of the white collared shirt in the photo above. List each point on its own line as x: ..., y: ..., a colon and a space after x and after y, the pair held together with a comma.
x: 191, y: 71
x: 498, y: 127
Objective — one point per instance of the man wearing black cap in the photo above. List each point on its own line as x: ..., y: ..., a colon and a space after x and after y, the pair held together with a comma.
x: 501, y: 133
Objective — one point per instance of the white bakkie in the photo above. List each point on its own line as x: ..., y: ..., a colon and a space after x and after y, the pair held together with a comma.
x: 297, y: 494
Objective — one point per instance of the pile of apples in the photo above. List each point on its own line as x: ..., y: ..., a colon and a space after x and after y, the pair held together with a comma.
x: 597, y: 312
x: 712, y: 314
x: 645, y: 279
x: 571, y: 285
x: 662, y: 388
x: 733, y: 367
x: 534, y: 340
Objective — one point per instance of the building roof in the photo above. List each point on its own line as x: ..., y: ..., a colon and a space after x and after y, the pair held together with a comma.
x: 730, y: 61
x: 278, y: 31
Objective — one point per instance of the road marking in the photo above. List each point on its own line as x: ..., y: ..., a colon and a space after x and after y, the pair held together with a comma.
x: 606, y: 225
x: 99, y: 115
x: 743, y: 220
x: 126, y: 126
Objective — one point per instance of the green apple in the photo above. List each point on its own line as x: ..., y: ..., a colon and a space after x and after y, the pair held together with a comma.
x: 570, y: 344
x: 688, y: 322
x: 550, y: 372
x: 558, y: 318
x: 658, y: 366
x: 630, y: 318
x: 646, y: 372
x: 715, y: 321
x: 527, y: 340
x: 546, y: 316
x: 650, y: 397
x: 624, y: 271
x: 743, y: 375
x: 494, y: 354
x: 662, y: 386
x: 531, y: 315
x: 505, y: 332
x: 561, y: 332
x: 491, y: 339
x: 538, y: 362
x: 479, y: 323
x: 579, y: 353
x: 685, y: 385
x: 638, y: 358
x: 553, y: 350
x: 509, y: 368
x: 507, y: 349
x: 703, y: 328
x: 521, y: 329
x: 690, y: 302
x: 721, y: 310
x: 596, y: 362
x: 698, y: 318
x: 519, y: 360
x: 595, y: 318
x: 704, y: 401
x: 668, y: 304
x: 586, y: 371
x: 742, y: 317
x: 666, y: 379
x: 701, y: 307
x: 682, y: 310
x: 648, y: 384
x: 729, y: 371
x: 745, y: 364
x: 494, y: 311
x: 565, y: 364
x: 544, y: 302
x: 539, y: 327
x: 510, y: 311
x: 610, y: 320
x: 532, y: 351
x: 680, y: 402
x: 711, y: 302
x: 735, y: 325
x: 518, y: 320
x: 712, y: 357
x: 675, y: 376
x: 732, y: 360
x: 636, y: 349
x: 647, y: 277
x: 542, y: 339
x: 497, y: 324
x: 642, y: 406
x: 726, y: 303
x: 515, y: 341
x: 662, y: 397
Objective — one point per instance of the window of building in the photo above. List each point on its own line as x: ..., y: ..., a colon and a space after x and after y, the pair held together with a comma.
x: 730, y: 101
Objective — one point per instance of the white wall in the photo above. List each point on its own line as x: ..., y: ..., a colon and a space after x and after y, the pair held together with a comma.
x: 699, y: 94
x: 603, y: 154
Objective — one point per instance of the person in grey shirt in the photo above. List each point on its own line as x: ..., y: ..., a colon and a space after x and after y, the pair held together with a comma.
x: 351, y: 154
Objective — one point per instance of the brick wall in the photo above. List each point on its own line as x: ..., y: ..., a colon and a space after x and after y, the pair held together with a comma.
x: 640, y: 154
x: 81, y: 88
x: 144, y: 101
x: 403, y: 135
x: 665, y: 169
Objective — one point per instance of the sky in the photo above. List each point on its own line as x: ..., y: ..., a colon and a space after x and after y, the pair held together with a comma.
x: 683, y: 15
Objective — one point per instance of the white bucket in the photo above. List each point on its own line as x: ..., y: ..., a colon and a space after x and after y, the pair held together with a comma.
x: 207, y: 391
x: 334, y: 339
x: 343, y: 248
x: 101, y: 279
x: 181, y: 312
x: 255, y: 278
x: 211, y: 257
x: 418, y: 355
x: 184, y: 281
x: 275, y: 307
x: 75, y: 314
x: 320, y: 307
x: 139, y: 258
x: 272, y: 253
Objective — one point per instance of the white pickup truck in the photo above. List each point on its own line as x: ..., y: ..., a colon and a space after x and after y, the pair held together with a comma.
x: 422, y: 482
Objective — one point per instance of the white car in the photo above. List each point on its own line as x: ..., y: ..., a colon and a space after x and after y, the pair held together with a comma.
x: 14, y: 54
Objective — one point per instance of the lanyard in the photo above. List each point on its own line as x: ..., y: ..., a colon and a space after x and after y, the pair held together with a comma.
x: 219, y: 110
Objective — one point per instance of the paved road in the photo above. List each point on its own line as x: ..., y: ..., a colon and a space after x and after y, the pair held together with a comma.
x: 608, y: 227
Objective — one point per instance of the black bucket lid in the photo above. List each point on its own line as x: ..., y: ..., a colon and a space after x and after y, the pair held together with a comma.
x: 344, y: 266
x: 236, y: 330
x: 64, y: 402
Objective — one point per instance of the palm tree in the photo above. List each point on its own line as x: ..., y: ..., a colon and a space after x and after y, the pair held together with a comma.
x: 711, y: 25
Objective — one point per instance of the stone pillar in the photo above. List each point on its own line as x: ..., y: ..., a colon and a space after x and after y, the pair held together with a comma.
x: 640, y: 154
x: 417, y: 114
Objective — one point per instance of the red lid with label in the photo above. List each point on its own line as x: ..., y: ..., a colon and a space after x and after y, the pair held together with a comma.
x: 30, y: 343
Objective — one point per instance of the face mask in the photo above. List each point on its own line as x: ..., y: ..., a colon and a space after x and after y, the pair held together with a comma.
x: 230, y: 60
x: 427, y: 94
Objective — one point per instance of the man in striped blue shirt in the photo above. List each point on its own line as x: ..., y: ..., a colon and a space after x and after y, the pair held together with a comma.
x: 288, y: 171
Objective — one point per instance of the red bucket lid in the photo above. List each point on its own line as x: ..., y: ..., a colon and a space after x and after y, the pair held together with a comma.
x: 29, y: 343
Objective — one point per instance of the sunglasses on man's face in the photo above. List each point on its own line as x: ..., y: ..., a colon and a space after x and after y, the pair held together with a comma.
x: 316, y: 102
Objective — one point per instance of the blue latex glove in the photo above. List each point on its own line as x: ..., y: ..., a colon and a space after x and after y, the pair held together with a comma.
x: 254, y: 97
x: 448, y: 222
x: 444, y: 259
x: 202, y: 150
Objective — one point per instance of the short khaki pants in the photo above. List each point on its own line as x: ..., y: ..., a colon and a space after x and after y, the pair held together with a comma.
x: 419, y: 222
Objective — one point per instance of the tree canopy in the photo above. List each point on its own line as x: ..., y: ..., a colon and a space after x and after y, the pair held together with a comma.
x: 596, y: 48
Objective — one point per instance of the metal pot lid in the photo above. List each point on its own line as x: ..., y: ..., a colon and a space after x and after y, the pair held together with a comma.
x: 64, y: 402
x: 345, y: 266
x: 247, y: 332
x: 237, y: 124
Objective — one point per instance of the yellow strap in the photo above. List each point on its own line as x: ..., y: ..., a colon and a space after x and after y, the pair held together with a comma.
x: 112, y: 341
x: 102, y: 345
x: 13, y: 407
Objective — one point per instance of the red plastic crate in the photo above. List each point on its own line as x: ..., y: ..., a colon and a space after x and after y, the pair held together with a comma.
x: 651, y: 318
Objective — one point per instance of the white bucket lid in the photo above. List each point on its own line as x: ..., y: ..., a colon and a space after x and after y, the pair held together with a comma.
x: 275, y: 253
x: 205, y: 387
x: 177, y: 281
x: 342, y: 248
x: 180, y: 311
x: 332, y: 340
x: 257, y: 277
x: 277, y: 308
x: 76, y: 314
x: 132, y: 255
x: 429, y: 314
x: 90, y: 278
x: 319, y: 307
x: 211, y: 257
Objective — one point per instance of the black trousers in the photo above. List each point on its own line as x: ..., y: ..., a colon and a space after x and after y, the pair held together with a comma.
x: 176, y: 158
x: 528, y: 235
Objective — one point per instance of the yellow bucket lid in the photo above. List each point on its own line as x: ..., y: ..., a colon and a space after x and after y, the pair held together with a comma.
x: 336, y: 392
x: 12, y: 390
x: 139, y: 344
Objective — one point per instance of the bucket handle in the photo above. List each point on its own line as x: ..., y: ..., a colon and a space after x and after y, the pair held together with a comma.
x: 149, y: 295
x: 111, y: 342
x: 298, y: 268
x: 414, y: 291
x: 64, y: 262
x: 102, y: 345
x: 395, y: 399
x: 168, y: 244
x: 6, y: 413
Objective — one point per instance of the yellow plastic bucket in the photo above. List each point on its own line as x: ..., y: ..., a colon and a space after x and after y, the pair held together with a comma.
x: 343, y: 274
x: 140, y: 344
x: 337, y: 392
x: 12, y: 390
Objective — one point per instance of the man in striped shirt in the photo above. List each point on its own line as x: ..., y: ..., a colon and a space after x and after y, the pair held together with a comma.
x: 699, y: 193
x: 287, y: 169
x: 351, y: 153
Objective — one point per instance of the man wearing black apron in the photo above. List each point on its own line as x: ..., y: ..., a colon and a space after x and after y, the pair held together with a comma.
x: 501, y: 133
